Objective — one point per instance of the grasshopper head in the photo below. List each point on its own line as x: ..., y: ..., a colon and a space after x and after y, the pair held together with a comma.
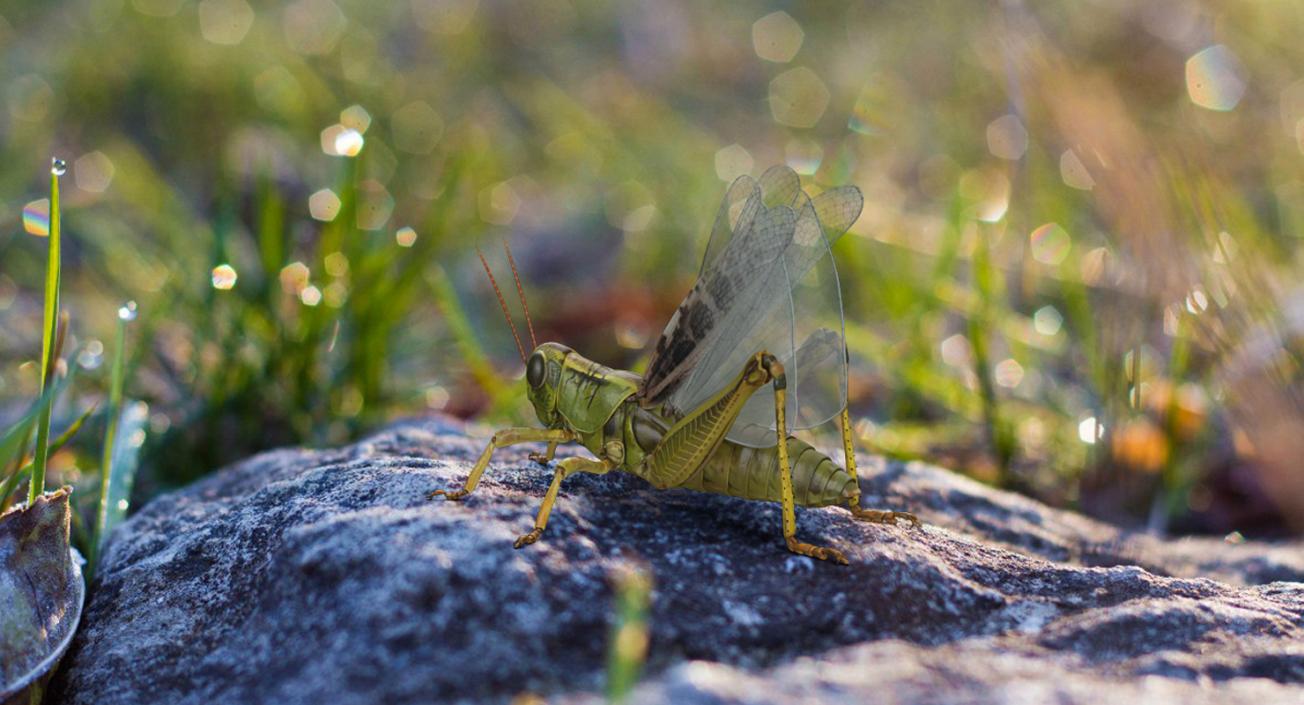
x: 543, y: 377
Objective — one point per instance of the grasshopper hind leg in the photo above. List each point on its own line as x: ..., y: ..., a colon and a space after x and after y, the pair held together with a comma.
x: 873, y: 516
x: 824, y: 553
x: 881, y: 516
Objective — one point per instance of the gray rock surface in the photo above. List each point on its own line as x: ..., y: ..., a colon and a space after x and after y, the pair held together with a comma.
x: 318, y: 577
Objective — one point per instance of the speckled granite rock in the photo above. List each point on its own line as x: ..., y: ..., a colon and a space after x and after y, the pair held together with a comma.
x: 327, y: 577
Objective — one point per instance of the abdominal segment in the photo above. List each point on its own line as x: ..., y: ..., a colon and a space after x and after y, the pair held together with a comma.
x: 753, y: 473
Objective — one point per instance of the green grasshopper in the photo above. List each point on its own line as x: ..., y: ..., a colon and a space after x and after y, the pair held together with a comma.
x: 758, y: 341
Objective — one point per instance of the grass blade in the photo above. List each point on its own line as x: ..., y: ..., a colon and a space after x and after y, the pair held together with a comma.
x: 629, y: 635
x: 13, y: 445
x: 102, y: 514
x: 48, y: 333
x: 12, y: 482
x: 124, y: 461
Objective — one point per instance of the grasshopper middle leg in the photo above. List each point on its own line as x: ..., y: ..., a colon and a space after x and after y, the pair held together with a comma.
x: 565, y: 468
x: 875, y: 516
x: 506, y: 437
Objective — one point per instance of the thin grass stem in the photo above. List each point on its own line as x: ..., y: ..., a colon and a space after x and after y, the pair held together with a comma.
x: 125, y: 314
x: 50, y: 329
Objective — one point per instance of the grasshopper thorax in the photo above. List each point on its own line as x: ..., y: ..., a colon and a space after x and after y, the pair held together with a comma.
x: 571, y: 391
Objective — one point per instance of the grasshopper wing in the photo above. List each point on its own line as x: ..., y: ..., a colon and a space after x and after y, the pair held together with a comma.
x: 768, y: 282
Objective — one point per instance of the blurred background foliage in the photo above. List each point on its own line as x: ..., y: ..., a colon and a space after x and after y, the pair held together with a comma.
x: 1077, y: 272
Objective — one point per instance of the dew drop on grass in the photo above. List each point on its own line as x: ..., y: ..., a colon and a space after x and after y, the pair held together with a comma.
x: 127, y: 312
x: 58, y: 167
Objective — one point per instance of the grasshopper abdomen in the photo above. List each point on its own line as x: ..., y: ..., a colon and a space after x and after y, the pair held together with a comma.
x: 753, y: 473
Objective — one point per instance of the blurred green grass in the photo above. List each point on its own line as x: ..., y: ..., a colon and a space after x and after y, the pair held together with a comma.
x: 1072, y: 278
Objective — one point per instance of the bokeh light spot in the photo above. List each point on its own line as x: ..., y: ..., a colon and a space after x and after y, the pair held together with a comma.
x: 310, y: 296
x: 1094, y: 265
x: 224, y: 277
x: 803, y: 155
x: 798, y: 98
x: 1213, y: 79
x: 777, y: 37
x: 375, y: 205
x: 417, y: 128
x: 1074, y: 172
x: 29, y: 98
x: 956, y: 351
x: 1008, y: 373
x: 990, y: 190
x: 328, y: 136
x: 36, y: 217
x: 93, y: 172
x: 356, y: 117
x: 639, y: 219
x: 294, y: 277
x: 405, y: 237
x: 1006, y: 138
x: 349, y: 142
x: 1050, y: 244
x: 335, y: 294
x: 499, y: 203
x: 1090, y: 430
x: 1047, y: 321
x: 340, y: 141
x: 313, y: 26
x: 437, y: 397
x: 877, y: 108
x: 337, y: 264
x: 732, y: 162
x: 225, y: 22
x: 324, y: 205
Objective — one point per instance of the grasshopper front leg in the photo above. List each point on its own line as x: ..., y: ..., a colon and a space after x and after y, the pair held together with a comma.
x: 506, y: 437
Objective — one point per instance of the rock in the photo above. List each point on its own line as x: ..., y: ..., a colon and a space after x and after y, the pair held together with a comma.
x: 303, y: 576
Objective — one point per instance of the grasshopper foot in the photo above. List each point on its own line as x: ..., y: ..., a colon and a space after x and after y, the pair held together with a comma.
x: 821, y: 552
x: 540, y: 458
x: 452, y: 496
x: 884, y: 516
x: 528, y: 539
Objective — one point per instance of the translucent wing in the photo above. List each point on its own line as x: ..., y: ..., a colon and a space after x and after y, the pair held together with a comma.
x: 768, y: 282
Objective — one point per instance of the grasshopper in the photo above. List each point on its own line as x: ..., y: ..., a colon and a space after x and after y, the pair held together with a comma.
x: 758, y: 341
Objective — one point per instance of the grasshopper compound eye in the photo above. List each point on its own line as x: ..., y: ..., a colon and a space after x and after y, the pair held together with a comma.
x: 534, y: 370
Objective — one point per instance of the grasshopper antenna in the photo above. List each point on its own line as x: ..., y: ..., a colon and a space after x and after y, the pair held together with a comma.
x: 501, y: 302
x: 521, y: 293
